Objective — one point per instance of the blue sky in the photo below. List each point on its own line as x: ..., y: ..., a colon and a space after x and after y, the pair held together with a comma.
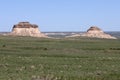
x: 61, y: 15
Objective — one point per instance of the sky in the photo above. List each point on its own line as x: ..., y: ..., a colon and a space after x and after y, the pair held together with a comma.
x: 61, y: 15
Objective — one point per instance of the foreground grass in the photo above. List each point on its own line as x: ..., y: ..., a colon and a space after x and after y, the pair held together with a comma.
x: 25, y: 58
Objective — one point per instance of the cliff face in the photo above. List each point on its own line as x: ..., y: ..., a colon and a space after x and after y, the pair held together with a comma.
x: 97, y: 33
x: 26, y: 29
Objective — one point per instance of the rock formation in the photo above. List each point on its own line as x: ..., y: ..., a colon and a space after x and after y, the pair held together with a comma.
x: 26, y: 29
x: 94, y: 32
x: 97, y: 33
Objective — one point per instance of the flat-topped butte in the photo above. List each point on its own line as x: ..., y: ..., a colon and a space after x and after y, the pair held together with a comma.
x: 26, y: 29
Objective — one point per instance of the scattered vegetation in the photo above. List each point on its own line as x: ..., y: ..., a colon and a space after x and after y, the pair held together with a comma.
x: 26, y: 58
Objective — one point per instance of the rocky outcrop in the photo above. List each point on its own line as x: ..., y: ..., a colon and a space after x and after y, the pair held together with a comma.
x: 26, y: 29
x: 96, y: 32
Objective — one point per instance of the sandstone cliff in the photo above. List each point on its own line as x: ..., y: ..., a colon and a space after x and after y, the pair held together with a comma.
x: 26, y: 29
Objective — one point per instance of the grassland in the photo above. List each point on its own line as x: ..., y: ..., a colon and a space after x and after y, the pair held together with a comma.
x: 25, y: 58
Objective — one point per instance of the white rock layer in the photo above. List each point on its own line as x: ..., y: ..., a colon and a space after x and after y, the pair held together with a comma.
x: 33, y: 32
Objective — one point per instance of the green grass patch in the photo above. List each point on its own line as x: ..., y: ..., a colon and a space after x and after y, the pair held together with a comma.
x: 27, y: 58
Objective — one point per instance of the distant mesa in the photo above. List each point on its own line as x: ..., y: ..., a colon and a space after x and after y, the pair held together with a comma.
x: 95, y: 32
x: 26, y: 29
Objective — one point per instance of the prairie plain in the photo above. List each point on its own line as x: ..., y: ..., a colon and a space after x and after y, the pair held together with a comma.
x: 27, y: 58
